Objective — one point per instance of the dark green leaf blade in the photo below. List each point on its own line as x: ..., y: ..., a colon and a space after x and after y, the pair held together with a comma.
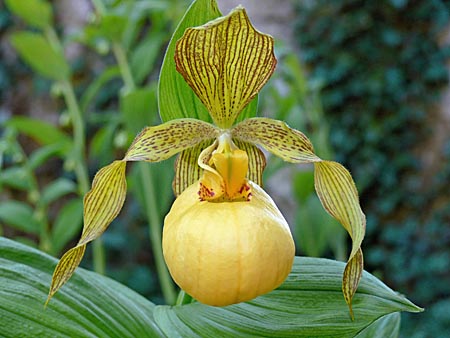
x: 308, y: 304
x: 387, y: 326
x: 89, y: 306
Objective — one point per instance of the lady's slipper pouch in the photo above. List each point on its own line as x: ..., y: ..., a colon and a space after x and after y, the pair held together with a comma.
x: 224, y: 239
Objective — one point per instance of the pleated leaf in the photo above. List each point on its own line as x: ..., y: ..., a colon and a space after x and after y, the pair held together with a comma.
x: 90, y: 305
x: 101, y: 205
x: 226, y: 62
x: 308, y: 304
x: 160, y: 142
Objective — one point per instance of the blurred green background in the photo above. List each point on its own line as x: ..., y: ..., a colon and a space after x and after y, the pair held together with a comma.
x: 363, y: 79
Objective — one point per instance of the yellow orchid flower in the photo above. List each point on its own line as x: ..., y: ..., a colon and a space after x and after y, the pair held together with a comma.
x: 224, y: 239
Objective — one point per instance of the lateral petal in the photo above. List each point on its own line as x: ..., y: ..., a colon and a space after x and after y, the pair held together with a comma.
x: 226, y: 62
x: 101, y: 205
x: 277, y: 137
x: 338, y: 195
x: 160, y: 142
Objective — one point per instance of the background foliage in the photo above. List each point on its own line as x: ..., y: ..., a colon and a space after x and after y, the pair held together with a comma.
x: 382, y: 71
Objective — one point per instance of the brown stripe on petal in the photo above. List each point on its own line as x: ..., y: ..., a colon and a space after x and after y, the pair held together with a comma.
x: 256, y: 161
x: 277, y: 137
x: 226, y: 62
x: 187, y: 170
x: 160, y: 142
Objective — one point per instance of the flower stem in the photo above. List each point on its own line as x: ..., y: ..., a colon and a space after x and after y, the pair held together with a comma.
x: 154, y: 222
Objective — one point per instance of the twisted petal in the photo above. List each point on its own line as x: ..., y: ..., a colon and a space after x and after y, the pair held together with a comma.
x: 187, y: 170
x: 101, y: 205
x: 334, y: 185
x: 105, y: 200
x: 160, y: 142
x: 226, y: 62
x: 338, y: 194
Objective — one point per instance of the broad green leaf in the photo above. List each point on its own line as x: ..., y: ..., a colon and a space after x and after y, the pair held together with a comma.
x: 16, y: 177
x: 42, y: 132
x: 67, y: 224
x: 40, y: 55
x: 226, y: 62
x: 387, y: 326
x: 90, y: 305
x: 101, y: 205
x: 112, y: 26
x: 19, y: 215
x: 138, y: 108
x: 57, y: 189
x: 160, y: 142
x: 303, y: 185
x: 175, y: 98
x: 36, y: 13
x: 308, y: 304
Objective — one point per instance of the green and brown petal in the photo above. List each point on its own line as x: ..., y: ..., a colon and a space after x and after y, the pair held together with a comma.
x: 226, y: 62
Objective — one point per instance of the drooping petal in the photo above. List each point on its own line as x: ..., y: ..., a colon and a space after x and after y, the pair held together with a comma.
x: 276, y: 137
x: 226, y: 62
x: 161, y: 142
x: 187, y: 170
x: 101, y: 205
x: 338, y: 194
x: 334, y: 185
x: 256, y: 161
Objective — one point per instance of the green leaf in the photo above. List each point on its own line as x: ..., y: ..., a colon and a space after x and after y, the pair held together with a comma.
x: 387, y: 326
x: 42, y: 132
x: 143, y: 57
x: 40, y: 55
x: 308, y: 304
x: 42, y: 154
x: 19, y: 215
x: 138, y: 108
x: 16, y: 177
x: 67, y: 224
x: 175, y: 98
x: 57, y: 189
x: 89, y: 306
x: 36, y: 13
